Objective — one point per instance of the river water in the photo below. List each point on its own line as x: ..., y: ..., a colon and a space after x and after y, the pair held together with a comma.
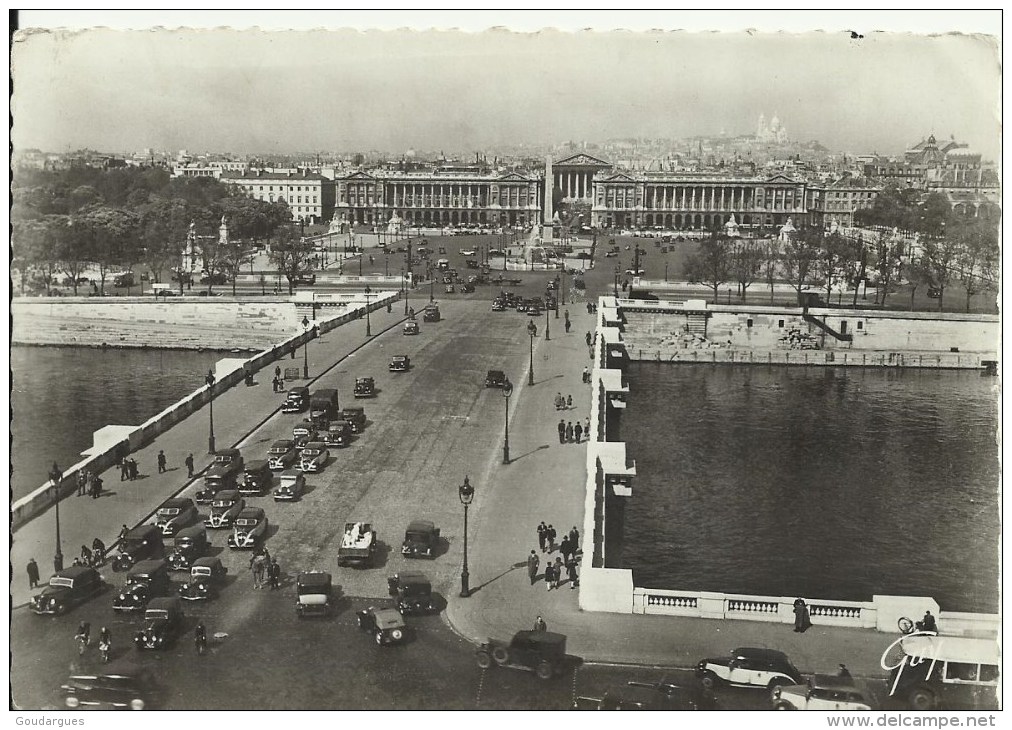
x: 61, y: 395
x: 822, y: 482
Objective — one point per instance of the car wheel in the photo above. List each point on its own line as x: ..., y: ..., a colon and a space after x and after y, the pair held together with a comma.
x: 397, y: 634
x: 778, y: 682
x: 922, y: 699
x: 783, y: 705
x: 544, y: 670
x: 708, y: 680
x: 137, y: 704
x: 72, y: 702
x: 500, y: 655
x: 379, y: 638
x: 484, y: 660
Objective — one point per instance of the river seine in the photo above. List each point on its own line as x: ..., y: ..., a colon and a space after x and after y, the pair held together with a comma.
x: 833, y: 483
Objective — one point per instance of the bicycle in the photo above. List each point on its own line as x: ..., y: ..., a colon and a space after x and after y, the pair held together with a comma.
x: 103, y: 648
x: 907, y: 626
x: 82, y: 643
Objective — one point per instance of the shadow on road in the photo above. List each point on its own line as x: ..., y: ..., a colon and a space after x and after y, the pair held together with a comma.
x: 528, y: 453
x: 515, y: 566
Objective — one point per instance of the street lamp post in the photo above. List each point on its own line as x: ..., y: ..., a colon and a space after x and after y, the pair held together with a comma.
x: 616, y: 281
x: 532, y: 330
x: 466, y: 494
x: 562, y: 289
x: 548, y: 325
x: 305, y: 350
x: 210, y: 389
x: 56, y: 476
x: 507, y: 391
x: 386, y: 263
x: 432, y: 281
x: 368, y: 325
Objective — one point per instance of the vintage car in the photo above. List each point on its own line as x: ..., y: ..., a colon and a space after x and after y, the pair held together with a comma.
x: 338, y: 433
x: 175, y: 514
x: 225, y: 508
x: 68, y: 588
x: 400, y: 364
x: 647, y: 696
x: 411, y: 327
x: 324, y: 405
x: 467, y: 252
x: 297, y: 400
x: 467, y: 288
x: 358, y: 545
x: 187, y: 546
x: 385, y: 624
x: 139, y: 543
x: 314, y: 457
x: 305, y: 432
x: 412, y: 592
x: 206, y: 577
x: 541, y: 652
x: 431, y: 313
x: 146, y: 580
x: 123, y: 688
x: 256, y: 478
x: 230, y: 458
x: 495, y: 379
x: 282, y: 454
x: 249, y: 529
x: 356, y: 417
x: 365, y: 388
x: 163, y: 624
x: 313, y: 591
x: 498, y: 305
x: 449, y: 289
x: 217, y: 478
x: 822, y: 692
x: 420, y: 540
x: 291, y: 485
x: 748, y: 667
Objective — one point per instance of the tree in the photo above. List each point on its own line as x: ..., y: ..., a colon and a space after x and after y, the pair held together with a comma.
x: 711, y: 263
x: 835, y: 255
x: 888, y: 258
x: 111, y: 234
x: 746, y: 261
x: 232, y: 257
x: 291, y: 255
x: 163, y: 227
x: 72, y: 245
x: 938, y: 260
x: 771, y: 262
x: 977, y: 257
x: 801, y: 252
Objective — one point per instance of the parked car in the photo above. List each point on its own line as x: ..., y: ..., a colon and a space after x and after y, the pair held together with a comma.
x: 256, y: 478
x: 822, y: 692
x: 420, y: 539
x: 385, y: 624
x: 175, y: 514
x: 431, y: 313
x: 412, y: 593
x: 314, y: 457
x: 187, y: 546
x: 249, y: 529
x: 206, y: 577
x: 225, y: 508
x: 229, y: 458
x: 356, y: 417
x: 541, y: 652
x: 313, y: 594
x: 67, y: 589
x: 467, y: 288
x: 126, y: 687
x: 358, y: 545
x: 338, y: 433
x: 307, y: 431
x: 411, y: 327
x: 217, y: 478
x: 498, y: 305
x: 139, y: 543
x: 297, y: 400
x: 282, y: 454
x: 365, y: 388
x: 646, y: 696
x: 749, y: 667
x: 291, y: 485
x: 495, y: 379
x: 163, y: 623
x: 146, y: 580
x: 400, y: 364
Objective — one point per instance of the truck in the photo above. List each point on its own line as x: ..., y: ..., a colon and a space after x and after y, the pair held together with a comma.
x: 324, y: 404
x: 358, y: 545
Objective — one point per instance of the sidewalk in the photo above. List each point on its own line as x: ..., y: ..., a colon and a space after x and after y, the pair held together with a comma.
x: 545, y: 481
x: 237, y: 412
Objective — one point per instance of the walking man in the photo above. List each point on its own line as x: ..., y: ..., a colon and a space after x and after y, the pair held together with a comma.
x: 542, y: 536
x: 574, y: 540
x: 562, y: 431
x: 569, y: 432
x: 124, y: 469
x: 275, y: 574
x: 574, y: 578
x: 586, y: 427
x: 161, y: 462
x: 590, y: 339
x: 82, y: 483
x: 33, y: 574
x: 96, y: 487
x: 549, y: 575
x: 189, y: 465
x: 586, y: 374
x: 540, y: 625
x: 564, y: 548
x: 532, y: 566
x: 577, y: 431
x: 551, y: 538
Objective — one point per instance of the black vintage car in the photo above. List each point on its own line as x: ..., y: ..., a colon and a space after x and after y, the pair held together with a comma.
x: 175, y: 514
x: 297, y: 400
x: 495, y: 379
x: 188, y: 545
x: 338, y: 433
x: 400, y: 364
x: 385, y: 624
x: 356, y: 417
x: 282, y: 454
x: 314, y: 594
x: 139, y: 543
x: 420, y: 539
x: 120, y: 688
x: 365, y: 388
x: 647, y: 696
x: 206, y: 577
x: 541, y: 652
x: 225, y: 508
x: 146, y: 580
x: 218, y: 478
x: 412, y: 593
x: 256, y: 478
x: 308, y: 431
x: 68, y: 588
x: 163, y: 624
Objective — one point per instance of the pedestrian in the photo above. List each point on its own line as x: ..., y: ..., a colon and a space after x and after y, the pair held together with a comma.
x: 557, y: 572
x: 123, y: 533
x: 275, y: 574
x: 189, y: 465
x: 574, y: 578
x: 928, y: 623
x: 124, y: 469
x: 586, y: 427
x: 577, y: 432
x: 85, y: 553
x: 277, y: 372
x: 543, y: 536
x: 96, y: 487
x: 586, y: 374
x: 802, y: 620
x: 551, y: 538
x: 133, y: 468
x: 161, y: 461
x: 33, y: 574
x: 568, y: 325
x: 274, y: 384
x: 564, y: 548
x: 82, y: 482
x: 257, y: 566
x: 549, y: 575
x: 56, y: 474
x: 540, y: 625
x: 569, y: 401
x: 844, y: 672
x: 562, y: 431
x: 532, y: 566
x: 569, y: 432
x: 558, y: 401
x: 566, y: 315
x: 574, y: 540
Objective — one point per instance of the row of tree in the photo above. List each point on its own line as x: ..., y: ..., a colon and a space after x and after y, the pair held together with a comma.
x: 68, y: 221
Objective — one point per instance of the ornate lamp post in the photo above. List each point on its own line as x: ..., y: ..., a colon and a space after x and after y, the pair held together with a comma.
x: 210, y: 389
x: 305, y: 350
x: 548, y: 322
x: 507, y: 391
x: 56, y: 476
x: 404, y: 288
x: 368, y: 325
x: 386, y: 263
x: 466, y: 494
x: 616, y: 281
x: 532, y: 330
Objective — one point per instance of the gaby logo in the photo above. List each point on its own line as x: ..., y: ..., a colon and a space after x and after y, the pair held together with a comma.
x: 908, y: 660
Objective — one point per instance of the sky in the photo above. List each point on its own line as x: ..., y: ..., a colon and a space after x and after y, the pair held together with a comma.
x: 347, y: 90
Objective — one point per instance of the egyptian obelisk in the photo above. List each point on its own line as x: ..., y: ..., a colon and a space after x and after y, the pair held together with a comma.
x: 546, y: 226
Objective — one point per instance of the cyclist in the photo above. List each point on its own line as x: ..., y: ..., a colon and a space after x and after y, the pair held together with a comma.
x: 200, y: 637
x: 83, y: 636
x: 104, y: 643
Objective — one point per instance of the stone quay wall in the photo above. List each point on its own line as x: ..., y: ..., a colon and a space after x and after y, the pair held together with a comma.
x: 230, y: 372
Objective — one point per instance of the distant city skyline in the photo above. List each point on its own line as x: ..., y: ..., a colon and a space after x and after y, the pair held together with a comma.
x: 287, y: 92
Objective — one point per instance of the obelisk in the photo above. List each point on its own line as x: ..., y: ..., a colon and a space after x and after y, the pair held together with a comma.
x: 546, y: 226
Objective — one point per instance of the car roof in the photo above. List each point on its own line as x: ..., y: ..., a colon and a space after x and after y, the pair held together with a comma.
x: 339, y: 424
x: 298, y: 389
x: 251, y: 512
x: 495, y: 372
x: 172, y: 603
x: 353, y: 409
x: 177, y: 502
x: 421, y: 526
x: 314, y: 578
x: 76, y: 571
x: 206, y: 562
x: 772, y: 655
x: 388, y: 618
x: 412, y: 577
x: 284, y: 442
x: 952, y: 649
x: 192, y: 531
x: 399, y: 357
x: 291, y: 474
x: 256, y: 465
x: 227, y: 452
x: 319, y: 445
x: 364, y: 379
x: 541, y: 637
x: 227, y: 494
x: 147, y: 566
x: 143, y: 532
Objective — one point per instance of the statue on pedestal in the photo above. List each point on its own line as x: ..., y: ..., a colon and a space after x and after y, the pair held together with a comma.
x: 731, y: 227
x: 223, y: 232
x: 787, y: 229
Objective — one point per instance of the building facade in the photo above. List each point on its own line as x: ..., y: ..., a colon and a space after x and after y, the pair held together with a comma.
x: 310, y: 196
x: 835, y: 203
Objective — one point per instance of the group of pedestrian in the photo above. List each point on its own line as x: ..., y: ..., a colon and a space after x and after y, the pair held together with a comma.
x: 564, y: 564
x: 278, y: 383
x: 89, y: 484
x: 591, y: 307
x: 570, y: 434
x: 128, y: 469
x: 265, y: 569
x: 563, y: 403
